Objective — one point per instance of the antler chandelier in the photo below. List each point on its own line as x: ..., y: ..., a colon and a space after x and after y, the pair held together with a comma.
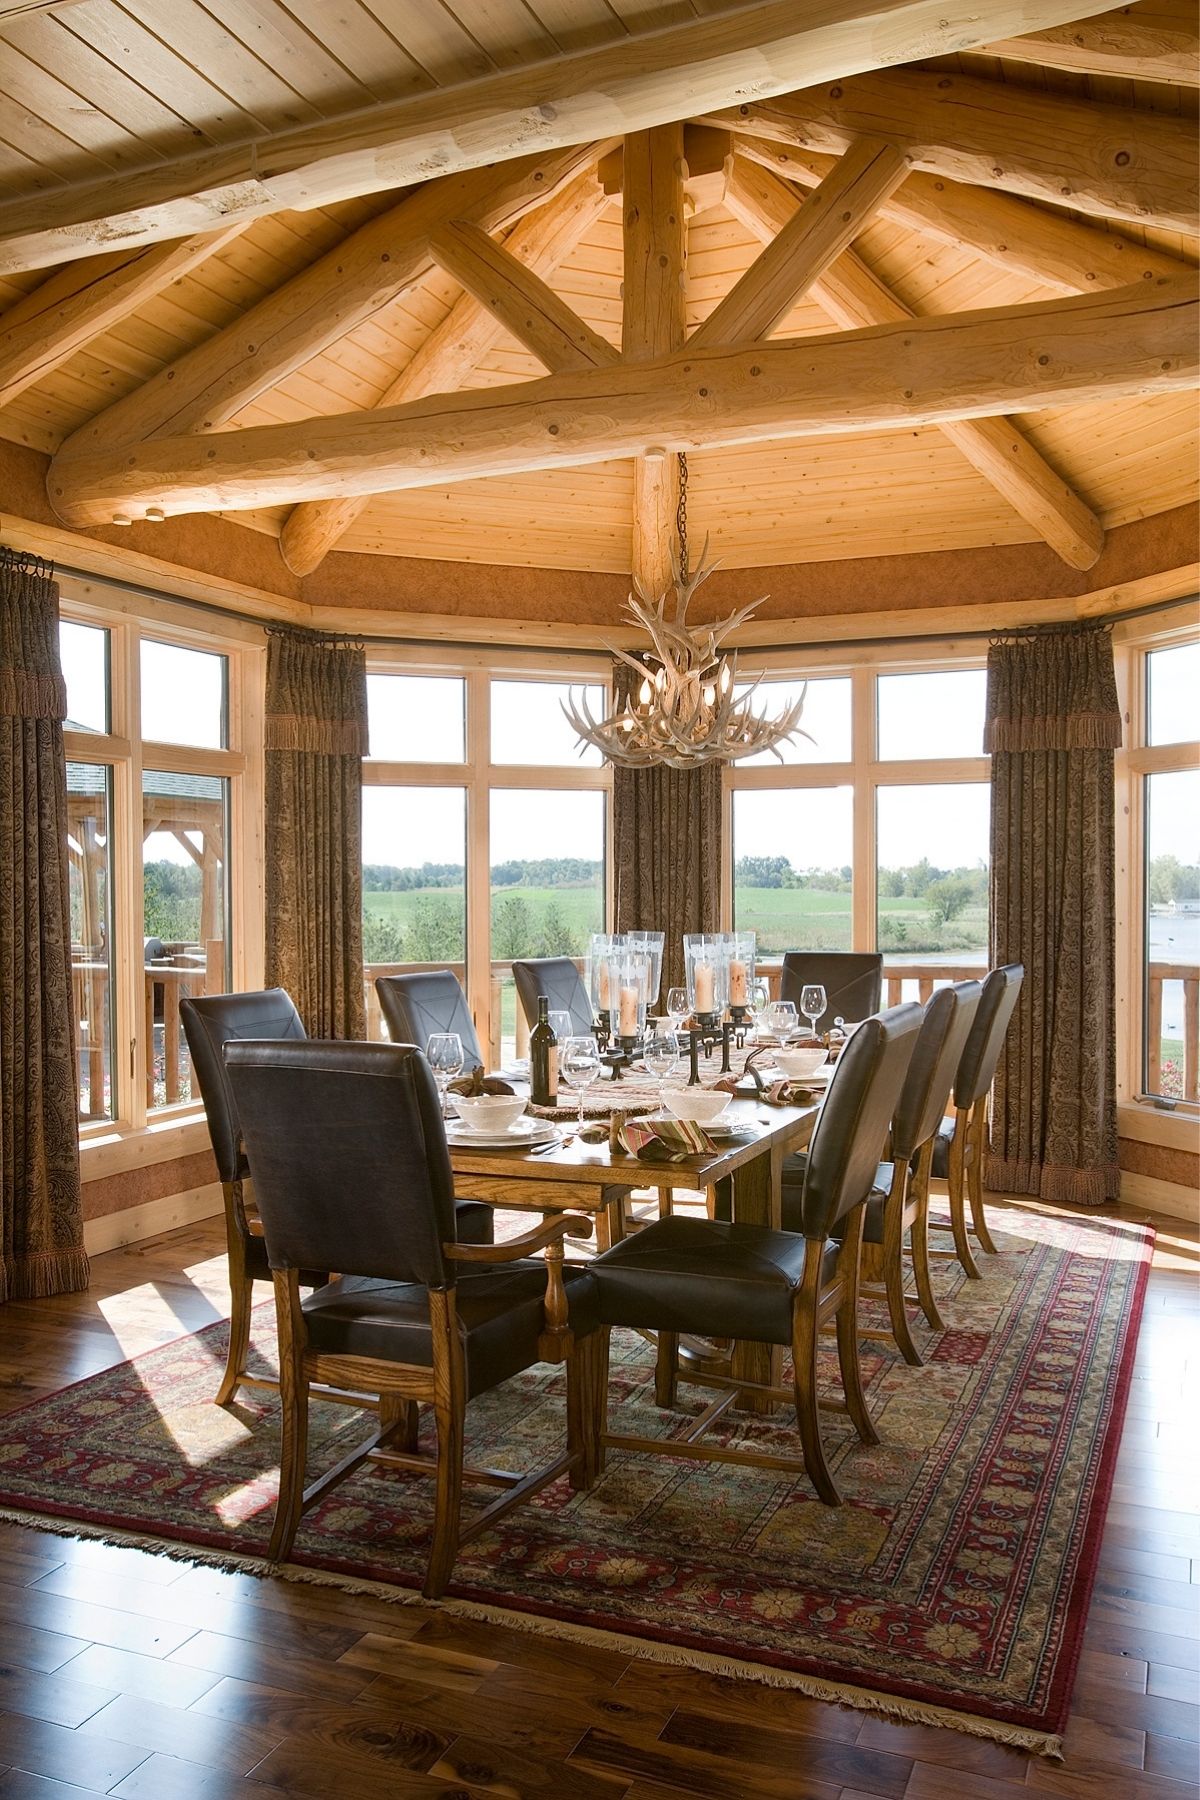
x: 686, y: 708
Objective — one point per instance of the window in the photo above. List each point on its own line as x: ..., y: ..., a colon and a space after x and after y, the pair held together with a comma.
x: 1172, y: 932
x: 484, y: 831
x: 875, y: 835
x: 1172, y: 694
x: 156, y: 801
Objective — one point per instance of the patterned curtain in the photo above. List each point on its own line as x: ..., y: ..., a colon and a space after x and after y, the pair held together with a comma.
x: 667, y: 833
x: 41, y: 1212
x: 316, y: 738
x: 1053, y: 722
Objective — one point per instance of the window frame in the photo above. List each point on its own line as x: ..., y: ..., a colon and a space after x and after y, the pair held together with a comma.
x: 479, y: 776
x: 1146, y: 1117
x: 865, y: 773
x: 128, y: 617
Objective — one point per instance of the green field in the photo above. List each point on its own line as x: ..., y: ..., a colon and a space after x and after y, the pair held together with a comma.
x: 530, y: 921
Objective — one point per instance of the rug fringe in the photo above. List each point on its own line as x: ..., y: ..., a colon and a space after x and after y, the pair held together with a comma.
x: 889, y: 1706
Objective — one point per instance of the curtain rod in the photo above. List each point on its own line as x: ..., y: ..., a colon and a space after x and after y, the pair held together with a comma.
x: 912, y: 637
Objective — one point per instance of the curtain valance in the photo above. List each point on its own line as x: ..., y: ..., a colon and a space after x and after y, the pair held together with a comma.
x: 1052, y: 689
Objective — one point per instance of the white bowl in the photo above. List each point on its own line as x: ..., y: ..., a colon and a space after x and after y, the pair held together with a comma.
x: 798, y: 1065
x: 488, y: 1112
x: 701, y: 1105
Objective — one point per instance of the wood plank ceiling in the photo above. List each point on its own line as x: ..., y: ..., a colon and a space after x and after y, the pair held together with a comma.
x: 94, y: 88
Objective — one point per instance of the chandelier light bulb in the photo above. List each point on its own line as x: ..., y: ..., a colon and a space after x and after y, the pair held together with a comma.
x: 645, y: 693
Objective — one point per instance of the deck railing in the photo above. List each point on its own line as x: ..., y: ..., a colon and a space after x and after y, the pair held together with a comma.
x: 1173, y: 1083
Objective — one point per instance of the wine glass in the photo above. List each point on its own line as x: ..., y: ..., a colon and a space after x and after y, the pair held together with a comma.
x: 579, y: 1065
x: 758, y: 999
x: 677, y: 1006
x: 560, y: 1025
x: 813, y: 1004
x: 660, y: 1053
x: 781, y: 1020
x: 445, y: 1052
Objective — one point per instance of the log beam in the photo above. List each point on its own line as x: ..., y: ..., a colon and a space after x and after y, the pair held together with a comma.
x: 1156, y: 40
x: 542, y: 240
x: 205, y: 387
x: 85, y: 299
x: 654, y: 324
x: 813, y: 237
x: 703, y: 63
x: 1106, y: 160
x: 519, y: 299
x: 1058, y: 248
x: 854, y: 297
x: 965, y: 365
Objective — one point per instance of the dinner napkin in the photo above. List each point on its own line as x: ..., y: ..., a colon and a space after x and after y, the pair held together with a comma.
x: 663, y: 1140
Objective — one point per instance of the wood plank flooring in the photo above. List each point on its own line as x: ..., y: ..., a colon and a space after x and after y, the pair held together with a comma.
x: 128, y: 1674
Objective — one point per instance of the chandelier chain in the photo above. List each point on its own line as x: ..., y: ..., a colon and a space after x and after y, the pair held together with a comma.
x: 681, y: 516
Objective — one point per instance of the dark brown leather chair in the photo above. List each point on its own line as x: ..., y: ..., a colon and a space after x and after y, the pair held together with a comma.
x: 899, y: 1206
x: 961, y: 1143
x: 563, y: 985
x: 209, y: 1024
x: 853, y: 982
x: 724, y: 1280
x: 415, y: 1006
x: 351, y: 1167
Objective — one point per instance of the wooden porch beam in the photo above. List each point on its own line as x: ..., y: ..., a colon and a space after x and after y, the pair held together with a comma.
x: 542, y: 240
x: 1156, y: 40
x: 654, y: 324
x: 1058, y: 248
x: 854, y: 297
x: 816, y: 233
x: 205, y: 387
x: 966, y: 365
x: 700, y: 64
x: 519, y: 299
x: 1106, y: 160
x: 85, y: 299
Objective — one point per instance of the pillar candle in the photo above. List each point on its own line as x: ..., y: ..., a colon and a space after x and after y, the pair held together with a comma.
x: 737, y: 983
x: 605, y: 997
x: 704, y: 988
x: 629, y: 1012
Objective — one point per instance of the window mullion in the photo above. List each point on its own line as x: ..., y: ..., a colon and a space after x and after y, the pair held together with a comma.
x: 863, y: 880
x: 478, y: 857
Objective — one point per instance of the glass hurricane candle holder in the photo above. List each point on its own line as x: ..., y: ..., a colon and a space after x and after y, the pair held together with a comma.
x: 603, y: 953
x: 630, y: 987
x: 652, y: 943
x: 706, y: 959
x: 743, y: 950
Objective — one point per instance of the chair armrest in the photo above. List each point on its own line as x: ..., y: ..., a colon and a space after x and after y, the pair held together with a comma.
x: 551, y: 1231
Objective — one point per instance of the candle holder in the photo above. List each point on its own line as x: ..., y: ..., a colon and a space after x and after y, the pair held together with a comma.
x: 651, y: 943
x: 706, y: 962
x: 629, y: 992
x: 615, y: 1058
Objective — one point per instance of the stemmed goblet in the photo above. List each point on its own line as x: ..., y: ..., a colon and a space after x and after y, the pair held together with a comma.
x: 812, y: 1004
x: 445, y: 1052
x: 660, y: 1054
x: 579, y: 1065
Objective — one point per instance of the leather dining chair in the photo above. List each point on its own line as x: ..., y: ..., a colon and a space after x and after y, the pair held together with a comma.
x: 563, y: 985
x: 961, y: 1142
x: 853, y: 982
x: 898, y: 1208
x: 209, y: 1024
x: 351, y: 1167
x: 415, y: 1006
x: 747, y: 1282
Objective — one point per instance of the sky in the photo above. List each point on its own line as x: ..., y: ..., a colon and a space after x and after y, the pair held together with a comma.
x: 420, y: 718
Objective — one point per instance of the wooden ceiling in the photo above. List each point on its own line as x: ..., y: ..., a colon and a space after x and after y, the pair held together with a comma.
x: 967, y: 182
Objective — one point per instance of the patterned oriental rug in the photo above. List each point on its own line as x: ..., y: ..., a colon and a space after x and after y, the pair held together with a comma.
x: 951, y: 1588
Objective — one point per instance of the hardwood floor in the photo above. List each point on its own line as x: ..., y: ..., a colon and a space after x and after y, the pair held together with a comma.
x: 127, y: 1674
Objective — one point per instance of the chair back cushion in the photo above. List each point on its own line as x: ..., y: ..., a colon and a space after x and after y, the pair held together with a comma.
x: 981, y: 1053
x: 415, y: 1006
x: 348, y: 1153
x: 853, y: 983
x: 847, y: 1144
x: 926, y: 1091
x: 209, y: 1024
x: 563, y: 985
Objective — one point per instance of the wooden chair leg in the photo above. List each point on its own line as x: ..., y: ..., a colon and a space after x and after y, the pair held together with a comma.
x: 581, y: 1412
x: 847, y: 1330
x: 241, y: 1290
x: 806, y: 1331
x: 449, y: 1406
x: 600, y: 1394
x: 979, y: 1136
x: 918, y: 1239
x: 293, y: 1397
x: 666, y: 1370
x: 893, y: 1265
x: 957, y: 1184
x: 399, y: 1423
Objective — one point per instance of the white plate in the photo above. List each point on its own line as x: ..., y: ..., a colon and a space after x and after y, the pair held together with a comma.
x: 525, y: 1132
x: 818, y: 1078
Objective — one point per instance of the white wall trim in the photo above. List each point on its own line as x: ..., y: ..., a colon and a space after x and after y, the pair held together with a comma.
x: 165, y: 1214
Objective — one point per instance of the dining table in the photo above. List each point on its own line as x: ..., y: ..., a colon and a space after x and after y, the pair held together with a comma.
x: 742, y: 1171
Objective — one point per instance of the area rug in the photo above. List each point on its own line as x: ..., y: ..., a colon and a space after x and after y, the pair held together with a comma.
x: 951, y: 1588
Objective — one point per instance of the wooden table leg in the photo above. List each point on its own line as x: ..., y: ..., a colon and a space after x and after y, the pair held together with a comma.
x: 756, y: 1201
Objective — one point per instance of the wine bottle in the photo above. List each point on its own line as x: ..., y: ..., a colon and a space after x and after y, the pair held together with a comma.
x: 543, y: 1058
